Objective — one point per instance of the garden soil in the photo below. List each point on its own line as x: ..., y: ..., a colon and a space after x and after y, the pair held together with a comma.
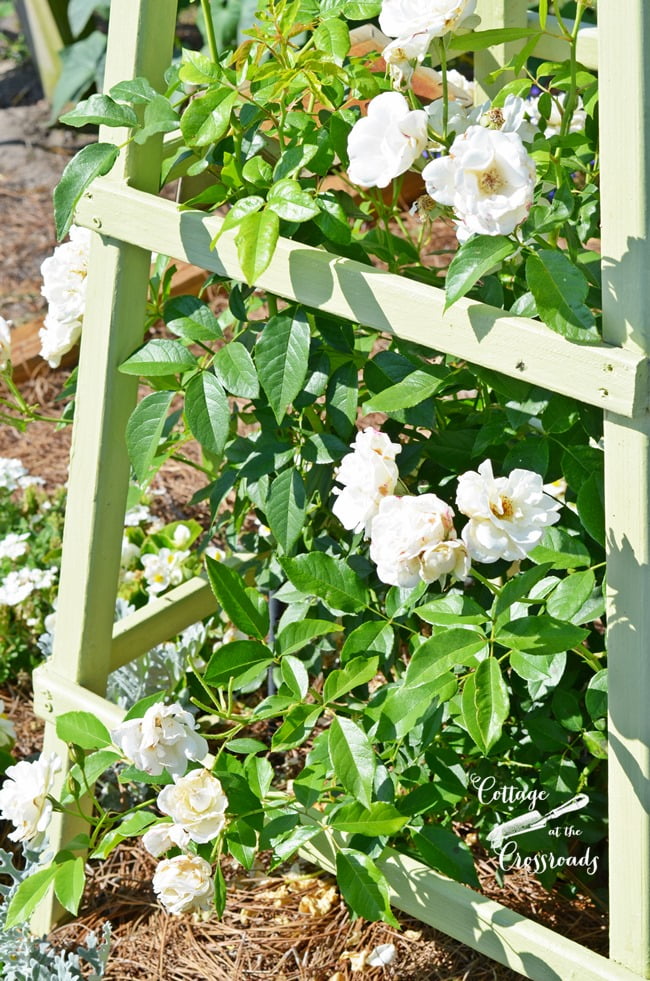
x: 290, y: 925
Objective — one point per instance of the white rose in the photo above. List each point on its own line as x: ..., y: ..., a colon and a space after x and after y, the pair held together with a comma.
x: 403, y: 535
x: 488, y: 179
x: 23, y: 796
x: 511, y: 117
x: 403, y: 54
x: 384, y: 144
x: 368, y: 474
x: 64, y: 288
x: 13, y: 546
x: 400, y: 18
x: 162, y: 837
x: 507, y: 515
x: 554, y: 121
x: 165, y: 738
x: 459, y: 118
x: 184, y: 884
x: 447, y: 558
x: 5, y: 343
x: 197, y: 803
x: 461, y: 89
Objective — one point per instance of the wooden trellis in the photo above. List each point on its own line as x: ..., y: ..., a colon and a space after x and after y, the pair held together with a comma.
x: 131, y: 222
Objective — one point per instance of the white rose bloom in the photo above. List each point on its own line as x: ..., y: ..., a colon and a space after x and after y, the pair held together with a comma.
x: 507, y: 515
x: 400, y: 18
x: 13, y: 546
x: 64, y: 288
x: 5, y: 343
x: 554, y: 121
x: 512, y: 117
x: 197, y: 803
x: 403, y: 54
x: 488, y: 179
x: 165, y: 738
x: 12, y: 472
x: 7, y: 731
x: 162, y: 837
x: 461, y: 89
x: 163, y: 568
x: 404, y: 536
x: 368, y: 474
x: 16, y: 587
x: 447, y: 558
x: 459, y: 118
x: 384, y: 144
x: 23, y: 796
x: 184, y: 884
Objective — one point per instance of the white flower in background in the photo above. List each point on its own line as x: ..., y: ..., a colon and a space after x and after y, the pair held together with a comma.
x: 507, y: 515
x: 12, y: 546
x: 5, y: 343
x: 130, y: 553
x: 449, y: 558
x: 12, y: 472
x: 402, y: 18
x: 233, y: 633
x: 384, y: 144
x: 162, y: 837
x: 184, y: 884
x: 554, y: 121
x: 163, y: 568
x: 368, y: 474
x: 42, y: 578
x: 512, y: 117
x: 165, y: 738
x: 381, y: 955
x: 459, y: 118
x: 23, y: 796
x: 7, y: 731
x: 403, y: 54
x: 64, y: 288
x: 488, y: 179
x: 197, y: 803
x: 16, y: 587
x: 404, y: 536
x: 137, y: 515
x: 181, y: 536
x: 216, y: 553
x: 461, y: 89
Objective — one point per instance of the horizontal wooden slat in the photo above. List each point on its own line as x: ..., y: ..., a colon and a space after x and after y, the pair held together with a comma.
x: 481, y: 923
x: 554, y: 47
x: 601, y: 375
x: 55, y: 694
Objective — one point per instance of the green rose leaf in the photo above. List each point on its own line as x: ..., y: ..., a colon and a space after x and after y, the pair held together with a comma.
x: 363, y: 886
x: 378, y: 819
x: 560, y: 289
x: 353, y: 758
x: 485, y: 704
x: 447, y: 853
x: 288, y: 200
x: 298, y: 634
x: 29, y: 894
x: 294, y: 675
x: 328, y: 578
x: 100, y: 110
x: 282, y: 358
x: 473, y: 260
x: 286, y: 508
x: 235, y: 369
x: 256, y: 238
x: 333, y: 37
x: 207, y: 412
x: 541, y: 634
x: 207, y: 117
x: 144, y: 429
x: 83, y: 729
x: 69, y: 882
x: 229, y: 589
x: 92, y: 161
x: 342, y: 680
x: 241, y: 661
x: 159, y: 357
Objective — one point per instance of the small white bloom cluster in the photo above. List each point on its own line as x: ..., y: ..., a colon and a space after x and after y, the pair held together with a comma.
x: 13, y: 475
x: 413, y: 538
x: 5, y: 343
x: 21, y: 583
x: 64, y: 288
x: 23, y: 797
x: 163, y: 568
x: 13, y: 546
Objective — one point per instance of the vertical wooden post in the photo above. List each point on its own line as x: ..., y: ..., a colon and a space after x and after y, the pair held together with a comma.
x: 495, y: 14
x: 624, y: 26
x: 140, y: 43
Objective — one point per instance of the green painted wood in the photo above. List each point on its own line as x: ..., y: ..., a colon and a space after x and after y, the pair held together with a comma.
x: 481, y: 334
x: 625, y: 181
x: 554, y: 47
x: 495, y: 14
x: 43, y: 32
x: 55, y: 694
x: 140, y: 42
x: 161, y: 619
x: 487, y: 926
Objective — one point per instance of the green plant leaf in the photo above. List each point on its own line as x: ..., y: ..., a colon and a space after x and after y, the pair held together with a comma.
x: 596, y: 696
x: 228, y: 587
x: 144, y: 429
x: 137, y: 91
x: 207, y: 412
x: 328, y: 578
x: 242, y: 661
x: 353, y: 758
x: 298, y: 634
x: 412, y: 390
x: 342, y: 680
x: 376, y: 820
x: 480, y: 40
x: 197, y: 69
x: 286, y: 508
x: 333, y: 37
x: 294, y: 675
x: 79, y: 12
x: 570, y: 595
x: 132, y: 826
x: 207, y: 117
x: 370, y: 637
x: 442, y: 652
x: 447, y: 853
x: 485, y: 704
x: 561, y: 550
x: 282, y: 358
x: 473, y: 260
x: 191, y: 318
x: 362, y: 9
x: 28, y: 895
x: 591, y: 507
x: 235, y: 369
x: 100, y: 110
x: 363, y: 886
x: 290, y: 202
x: 256, y: 239
x: 159, y: 357
x: 83, y: 729
x: 296, y: 728
x: 90, y: 162
x: 81, y: 67
x: 560, y: 288
x: 69, y: 883
x: 239, y: 210
x: 540, y: 634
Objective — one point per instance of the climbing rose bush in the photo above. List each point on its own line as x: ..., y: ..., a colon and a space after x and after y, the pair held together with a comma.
x: 165, y: 738
x: 24, y: 797
x: 386, y: 142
